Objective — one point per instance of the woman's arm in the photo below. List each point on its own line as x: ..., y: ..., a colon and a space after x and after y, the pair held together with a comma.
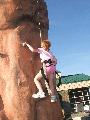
x: 30, y: 47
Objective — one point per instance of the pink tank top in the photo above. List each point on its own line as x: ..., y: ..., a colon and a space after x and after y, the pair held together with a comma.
x: 45, y: 55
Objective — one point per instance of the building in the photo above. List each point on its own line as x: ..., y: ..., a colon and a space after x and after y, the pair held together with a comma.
x: 75, y: 89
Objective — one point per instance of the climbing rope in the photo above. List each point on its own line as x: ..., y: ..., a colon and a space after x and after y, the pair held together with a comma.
x: 44, y: 69
x: 59, y: 77
x: 40, y: 32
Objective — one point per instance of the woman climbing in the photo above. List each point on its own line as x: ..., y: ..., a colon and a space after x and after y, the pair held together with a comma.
x: 49, y: 64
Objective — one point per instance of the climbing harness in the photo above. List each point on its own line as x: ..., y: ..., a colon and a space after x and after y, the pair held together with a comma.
x: 49, y: 62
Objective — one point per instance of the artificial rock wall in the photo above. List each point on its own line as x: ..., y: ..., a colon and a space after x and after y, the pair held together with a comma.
x: 19, y: 22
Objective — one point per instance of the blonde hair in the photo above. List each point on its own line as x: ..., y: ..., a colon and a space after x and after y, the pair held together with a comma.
x: 46, y: 43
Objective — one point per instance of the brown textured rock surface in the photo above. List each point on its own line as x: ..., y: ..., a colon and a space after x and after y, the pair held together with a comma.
x: 19, y: 23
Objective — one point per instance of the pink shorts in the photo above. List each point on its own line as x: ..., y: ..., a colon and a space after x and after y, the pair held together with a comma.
x: 51, y: 69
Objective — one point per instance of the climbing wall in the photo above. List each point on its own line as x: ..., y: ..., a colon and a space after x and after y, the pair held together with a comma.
x: 22, y: 21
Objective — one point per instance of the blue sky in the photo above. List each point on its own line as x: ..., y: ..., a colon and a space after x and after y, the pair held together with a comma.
x: 69, y: 33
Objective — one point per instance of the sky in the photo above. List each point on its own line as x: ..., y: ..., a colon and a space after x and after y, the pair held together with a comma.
x: 69, y: 33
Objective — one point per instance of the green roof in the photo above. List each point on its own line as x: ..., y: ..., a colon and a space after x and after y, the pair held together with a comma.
x: 74, y: 78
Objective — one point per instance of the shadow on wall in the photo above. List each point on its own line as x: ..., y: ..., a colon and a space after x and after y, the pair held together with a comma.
x: 1, y: 104
x: 2, y: 113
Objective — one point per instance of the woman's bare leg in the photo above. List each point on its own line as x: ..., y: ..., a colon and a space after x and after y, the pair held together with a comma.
x: 37, y: 81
